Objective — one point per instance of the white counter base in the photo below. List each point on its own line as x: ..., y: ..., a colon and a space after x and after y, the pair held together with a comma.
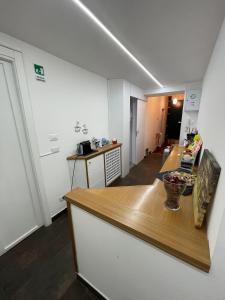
x: 123, y: 267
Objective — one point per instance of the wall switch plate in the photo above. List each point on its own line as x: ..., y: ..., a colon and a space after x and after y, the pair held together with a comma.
x: 53, y: 137
x: 55, y: 149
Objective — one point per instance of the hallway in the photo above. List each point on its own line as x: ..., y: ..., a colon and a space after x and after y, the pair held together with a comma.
x: 142, y: 174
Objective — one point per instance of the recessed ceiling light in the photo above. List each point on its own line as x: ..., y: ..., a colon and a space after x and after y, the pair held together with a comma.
x: 112, y: 36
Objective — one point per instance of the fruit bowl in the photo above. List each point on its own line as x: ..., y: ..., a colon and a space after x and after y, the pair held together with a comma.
x: 175, y: 185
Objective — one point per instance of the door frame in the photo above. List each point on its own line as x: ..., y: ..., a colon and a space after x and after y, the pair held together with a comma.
x: 168, y: 112
x: 140, y: 148
x: 136, y: 131
x: 172, y: 92
x: 15, y: 57
x: 133, y: 132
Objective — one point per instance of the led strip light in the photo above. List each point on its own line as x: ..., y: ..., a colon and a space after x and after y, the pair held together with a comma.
x: 112, y: 36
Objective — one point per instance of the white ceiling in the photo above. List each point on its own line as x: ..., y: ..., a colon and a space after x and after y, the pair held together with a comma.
x: 172, y: 38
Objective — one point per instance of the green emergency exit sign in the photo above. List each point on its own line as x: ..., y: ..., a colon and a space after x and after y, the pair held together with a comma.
x: 39, y: 70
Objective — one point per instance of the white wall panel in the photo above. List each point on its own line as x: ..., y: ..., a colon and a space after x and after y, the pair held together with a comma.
x: 123, y: 267
x: 211, y: 125
x: 69, y: 94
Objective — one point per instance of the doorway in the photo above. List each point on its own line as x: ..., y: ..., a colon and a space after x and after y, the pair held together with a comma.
x: 137, y: 122
x: 20, y: 213
x: 174, y: 119
x: 163, y: 121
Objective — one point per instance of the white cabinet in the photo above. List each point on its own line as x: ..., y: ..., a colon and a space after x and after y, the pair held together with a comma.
x: 95, y: 171
x: 78, y: 174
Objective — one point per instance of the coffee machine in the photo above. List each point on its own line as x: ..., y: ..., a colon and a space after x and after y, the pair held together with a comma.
x: 84, y: 148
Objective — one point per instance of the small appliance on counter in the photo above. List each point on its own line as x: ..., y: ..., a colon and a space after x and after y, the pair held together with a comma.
x: 96, y: 143
x: 84, y: 148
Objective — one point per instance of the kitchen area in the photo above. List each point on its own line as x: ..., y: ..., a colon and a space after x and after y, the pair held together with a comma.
x: 95, y: 168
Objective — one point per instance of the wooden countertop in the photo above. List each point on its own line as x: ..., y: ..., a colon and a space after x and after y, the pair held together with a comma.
x: 140, y: 211
x: 96, y: 153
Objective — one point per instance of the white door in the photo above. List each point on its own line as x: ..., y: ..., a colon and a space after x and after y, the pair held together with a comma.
x: 19, y: 208
x: 96, y: 172
x: 140, y: 151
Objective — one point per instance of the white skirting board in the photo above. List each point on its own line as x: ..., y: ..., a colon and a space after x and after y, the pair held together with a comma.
x: 22, y: 237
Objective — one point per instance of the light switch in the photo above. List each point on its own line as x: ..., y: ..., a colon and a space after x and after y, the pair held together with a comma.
x: 55, y: 149
x: 53, y: 137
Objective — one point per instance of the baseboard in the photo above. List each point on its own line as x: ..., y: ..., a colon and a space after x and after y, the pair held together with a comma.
x: 91, y: 288
x: 22, y: 237
x: 58, y: 214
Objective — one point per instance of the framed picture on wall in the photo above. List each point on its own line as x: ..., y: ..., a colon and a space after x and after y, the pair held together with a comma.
x: 205, y: 186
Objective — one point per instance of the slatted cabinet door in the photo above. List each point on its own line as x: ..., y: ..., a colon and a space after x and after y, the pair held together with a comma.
x: 112, y: 165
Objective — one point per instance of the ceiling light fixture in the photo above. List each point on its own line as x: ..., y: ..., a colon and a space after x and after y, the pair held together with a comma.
x: 112, y: 36
x: 175, y: 101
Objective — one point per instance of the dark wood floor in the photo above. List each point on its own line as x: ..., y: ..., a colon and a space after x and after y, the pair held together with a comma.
x: 143, y: 173
x: 41, y: 267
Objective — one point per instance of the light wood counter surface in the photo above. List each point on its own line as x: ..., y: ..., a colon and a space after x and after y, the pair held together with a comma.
x: 99, y: 151
x: 140, y: 211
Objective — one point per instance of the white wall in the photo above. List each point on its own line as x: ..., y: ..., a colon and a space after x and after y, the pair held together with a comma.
x: 155, y: 121
x: 188, y: 117
x: 129, y: 268
x: 211, y: 125
x: 136, y: 92
x: 115, y: 105
x: 167, y: 90
x: 119, y: 93
x: 126, y: 127
x: 69, y: 94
